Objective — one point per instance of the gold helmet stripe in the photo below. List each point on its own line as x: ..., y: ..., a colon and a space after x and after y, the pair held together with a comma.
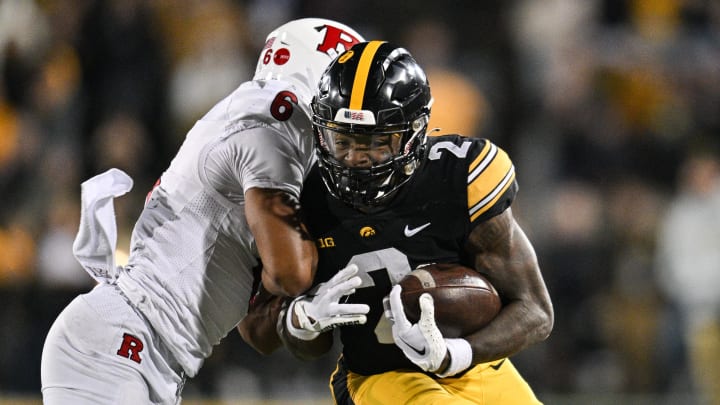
x: 361, y: 74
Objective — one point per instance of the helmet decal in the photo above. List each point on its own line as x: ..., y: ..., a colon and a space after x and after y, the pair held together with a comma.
x: 299, y: 51
x: 362, y: 117
x: 282, y: 56
x: 361, y: 75
x: 334, y: 37
x: 346, y: 56
x: 269, y: 43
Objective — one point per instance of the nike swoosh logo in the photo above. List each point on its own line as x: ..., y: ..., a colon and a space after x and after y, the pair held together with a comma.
x: 411, y: 232
x: 497, y: 366
x: 420, y: 352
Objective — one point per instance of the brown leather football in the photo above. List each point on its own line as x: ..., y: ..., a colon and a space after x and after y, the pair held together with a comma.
x: 465, y: 301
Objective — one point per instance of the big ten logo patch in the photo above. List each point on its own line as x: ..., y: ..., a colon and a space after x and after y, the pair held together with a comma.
x: 131, y: 347
x: 325, y: 243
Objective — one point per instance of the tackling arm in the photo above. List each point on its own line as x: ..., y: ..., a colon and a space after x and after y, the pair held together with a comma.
x: 305, y: 324
x: 258, y: 327
x: 264, y: 330
x: 503, y: 253
x: 287, y: 251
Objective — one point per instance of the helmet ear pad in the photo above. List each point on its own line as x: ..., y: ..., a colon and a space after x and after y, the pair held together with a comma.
x: 376, y: 88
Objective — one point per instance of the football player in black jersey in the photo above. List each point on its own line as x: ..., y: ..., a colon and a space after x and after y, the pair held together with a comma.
x: 384, y: 199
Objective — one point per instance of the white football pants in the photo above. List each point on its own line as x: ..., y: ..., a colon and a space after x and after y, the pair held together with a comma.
x: 100, y: 351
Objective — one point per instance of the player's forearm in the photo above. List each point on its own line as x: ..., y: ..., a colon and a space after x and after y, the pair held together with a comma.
x: 303, y: 349
x: 508, y: 259
x: 518, y: 326
x: 258, y: 327
x: 288, y: 279
x: 259, y: 334
x: 287, y: 251
x: 289, y: 261
x: 526, y: 318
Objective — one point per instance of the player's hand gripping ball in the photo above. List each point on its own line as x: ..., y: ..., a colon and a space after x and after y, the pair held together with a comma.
x: 465, y: 301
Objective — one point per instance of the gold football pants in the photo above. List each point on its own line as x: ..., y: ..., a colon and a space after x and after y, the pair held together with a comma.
x: 496, y: 382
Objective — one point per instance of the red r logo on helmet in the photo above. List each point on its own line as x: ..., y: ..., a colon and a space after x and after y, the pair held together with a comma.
x: 334, y: 36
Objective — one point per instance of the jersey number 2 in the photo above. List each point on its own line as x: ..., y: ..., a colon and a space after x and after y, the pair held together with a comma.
x: 459, y: 151
x: 396, y: 265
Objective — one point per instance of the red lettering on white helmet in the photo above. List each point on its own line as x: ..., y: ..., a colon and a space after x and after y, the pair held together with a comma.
x: 335, y: 36
x: 281, y: 57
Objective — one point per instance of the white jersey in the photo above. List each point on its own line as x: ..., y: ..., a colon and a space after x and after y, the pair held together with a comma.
x: 192, y: 253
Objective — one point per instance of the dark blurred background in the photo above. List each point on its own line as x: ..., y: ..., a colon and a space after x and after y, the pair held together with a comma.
x: 610, y: 110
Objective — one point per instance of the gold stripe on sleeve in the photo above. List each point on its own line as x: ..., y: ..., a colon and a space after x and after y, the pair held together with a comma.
x: 492, y: 198
x: 483, y: 153
x: 489, y: 177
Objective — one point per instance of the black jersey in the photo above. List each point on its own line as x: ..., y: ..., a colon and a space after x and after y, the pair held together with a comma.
x: 462, y: 182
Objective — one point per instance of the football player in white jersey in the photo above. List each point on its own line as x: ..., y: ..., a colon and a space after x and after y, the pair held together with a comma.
x: 224, y: 209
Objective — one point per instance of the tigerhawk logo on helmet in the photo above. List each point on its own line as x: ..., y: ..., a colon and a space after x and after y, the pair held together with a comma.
x: 370, y: 117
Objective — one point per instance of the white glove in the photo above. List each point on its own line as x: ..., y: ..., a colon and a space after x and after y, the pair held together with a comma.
x: 423, y: 343
x: 320, y: 309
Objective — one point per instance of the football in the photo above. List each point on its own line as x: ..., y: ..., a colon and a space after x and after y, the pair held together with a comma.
x: 465, y: 301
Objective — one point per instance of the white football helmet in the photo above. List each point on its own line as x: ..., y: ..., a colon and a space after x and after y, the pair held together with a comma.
x: 300, y: 50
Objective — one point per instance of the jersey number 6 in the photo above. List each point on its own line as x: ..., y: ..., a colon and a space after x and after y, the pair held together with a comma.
x: 283, y: 105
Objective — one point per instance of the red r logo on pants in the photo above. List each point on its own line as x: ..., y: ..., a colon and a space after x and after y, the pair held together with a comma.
x: 131, y: 348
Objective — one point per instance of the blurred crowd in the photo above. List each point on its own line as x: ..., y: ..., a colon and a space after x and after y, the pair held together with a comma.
x: 610, y: 110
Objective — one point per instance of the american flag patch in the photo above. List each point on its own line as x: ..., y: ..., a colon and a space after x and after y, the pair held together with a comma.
x: 269, y: 43
x: 354, y: 115
x: 362, y: 117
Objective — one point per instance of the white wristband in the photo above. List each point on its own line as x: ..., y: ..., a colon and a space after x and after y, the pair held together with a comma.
x: 460, y: 357
x: 302, y: 334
